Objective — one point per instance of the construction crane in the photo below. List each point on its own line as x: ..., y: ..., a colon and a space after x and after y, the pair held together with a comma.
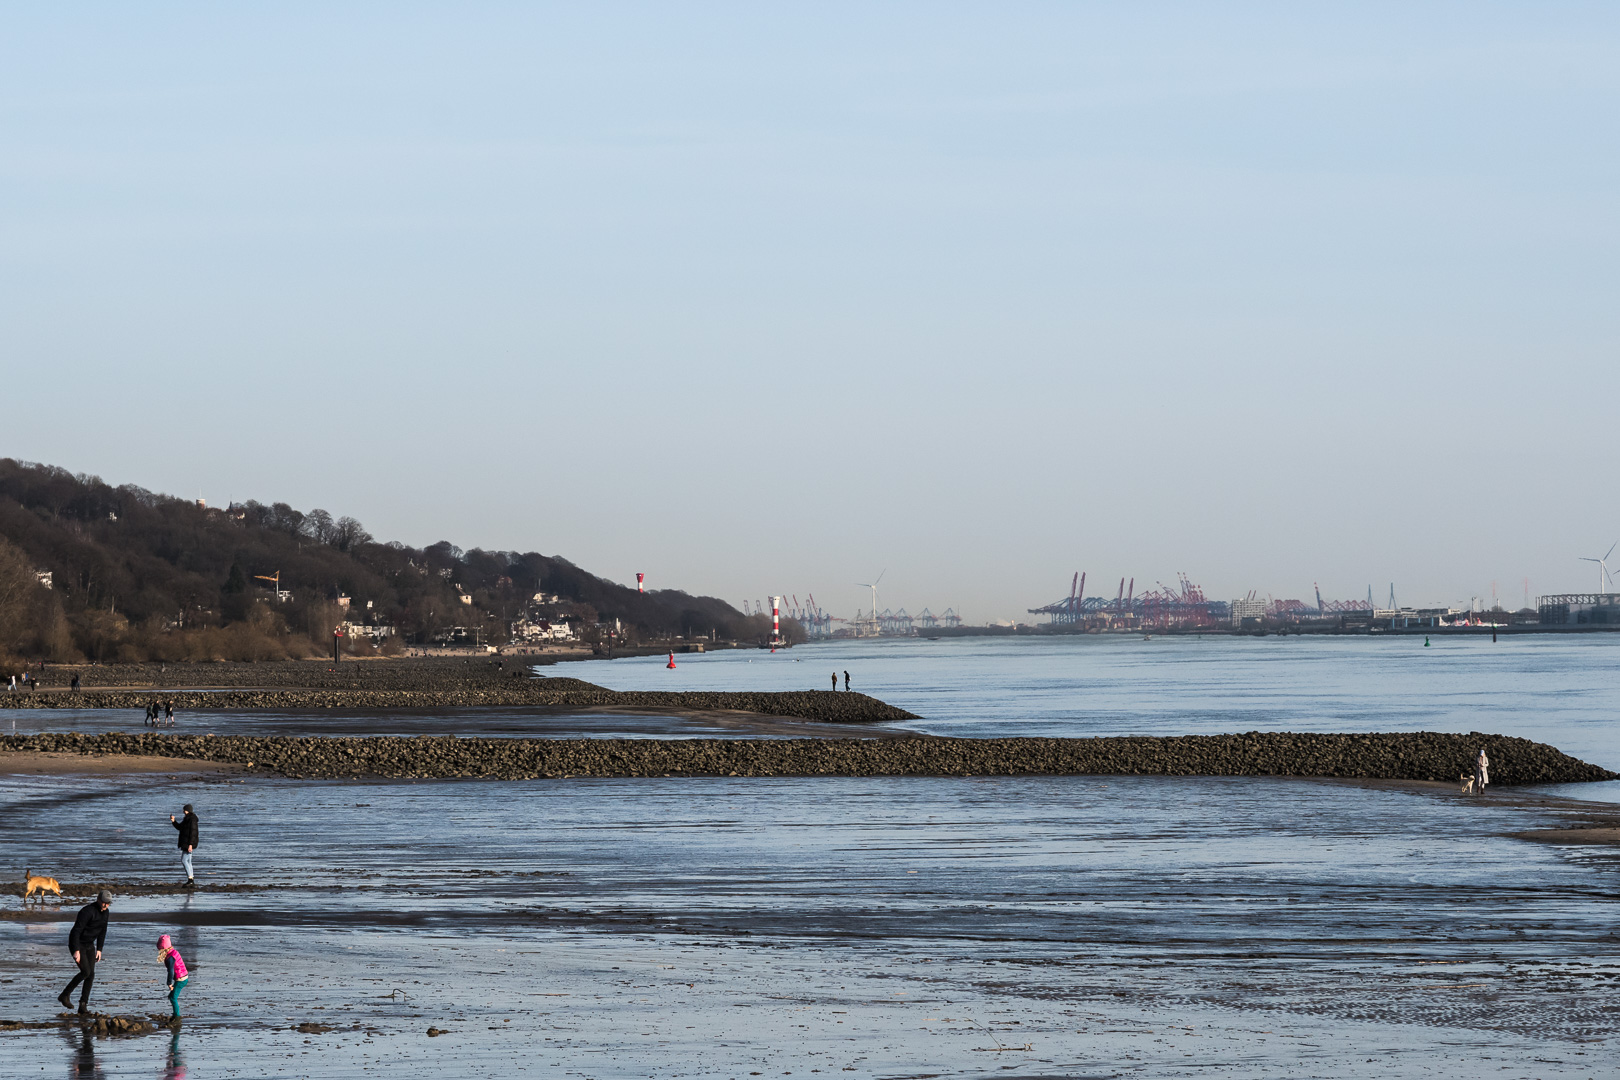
x: 275, y: 583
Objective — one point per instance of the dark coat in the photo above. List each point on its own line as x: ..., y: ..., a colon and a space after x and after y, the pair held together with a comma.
x: 89, y: 931
x: 188, y: 831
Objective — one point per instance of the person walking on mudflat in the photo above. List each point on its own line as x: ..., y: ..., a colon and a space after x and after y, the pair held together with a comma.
x: 1482, y: 772
x: 846, y: 682
x: 176, y: 968
x: 188, y: 842
x: 85, y: 940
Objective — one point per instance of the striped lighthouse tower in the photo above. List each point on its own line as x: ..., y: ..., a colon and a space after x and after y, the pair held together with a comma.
x: 776, y: 622
x: 639, y: 578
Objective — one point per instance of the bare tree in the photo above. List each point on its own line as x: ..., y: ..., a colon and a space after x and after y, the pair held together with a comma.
x: 319, y: 526
x: 348, y: 534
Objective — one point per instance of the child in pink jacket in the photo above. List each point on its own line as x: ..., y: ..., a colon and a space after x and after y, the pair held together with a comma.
x: 176, y: 968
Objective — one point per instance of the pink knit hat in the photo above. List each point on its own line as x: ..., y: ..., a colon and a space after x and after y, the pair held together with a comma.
x: 163, y: 944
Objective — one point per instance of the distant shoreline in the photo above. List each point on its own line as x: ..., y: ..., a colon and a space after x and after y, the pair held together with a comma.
x: 1044, y: 630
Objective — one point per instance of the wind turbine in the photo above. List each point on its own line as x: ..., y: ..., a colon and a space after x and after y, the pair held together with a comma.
x: 1604, y: 577
x: 873, y: 586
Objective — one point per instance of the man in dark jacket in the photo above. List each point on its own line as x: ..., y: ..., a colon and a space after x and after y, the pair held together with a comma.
x: 85, y: 940
x: 188, y: 841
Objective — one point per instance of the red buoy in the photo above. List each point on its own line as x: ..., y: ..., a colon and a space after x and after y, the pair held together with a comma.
x: 671, y: 660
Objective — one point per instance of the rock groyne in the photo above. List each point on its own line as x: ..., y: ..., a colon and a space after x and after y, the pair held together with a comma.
x: 1395, y: 756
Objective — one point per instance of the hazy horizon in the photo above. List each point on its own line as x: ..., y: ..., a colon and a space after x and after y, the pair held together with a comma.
x: 771, y: 301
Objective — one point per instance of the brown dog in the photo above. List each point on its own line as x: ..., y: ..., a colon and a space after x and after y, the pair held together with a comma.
x: 40, y: 884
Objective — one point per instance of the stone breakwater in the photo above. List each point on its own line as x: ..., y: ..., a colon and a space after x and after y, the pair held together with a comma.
x: 823, y: 706
x: 1404, y: 756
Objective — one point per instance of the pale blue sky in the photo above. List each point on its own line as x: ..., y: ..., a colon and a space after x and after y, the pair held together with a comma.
x: 764, y: 298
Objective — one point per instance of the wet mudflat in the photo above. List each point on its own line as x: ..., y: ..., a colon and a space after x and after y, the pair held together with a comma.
x: 470, y: 722
x: 1028, y: 927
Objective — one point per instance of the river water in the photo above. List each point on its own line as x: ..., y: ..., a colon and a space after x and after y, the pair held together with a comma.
x: 882, y: 927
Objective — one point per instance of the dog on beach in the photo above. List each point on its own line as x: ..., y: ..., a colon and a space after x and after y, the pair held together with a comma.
x: 41, y: 884
x: 1467, y: 783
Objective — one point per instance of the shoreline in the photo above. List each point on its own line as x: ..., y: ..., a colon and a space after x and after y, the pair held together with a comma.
x: 73, y: 763
x: 821, y: 706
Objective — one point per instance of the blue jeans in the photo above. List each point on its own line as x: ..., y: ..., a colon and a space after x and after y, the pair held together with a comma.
x: 185, y: 860
x: 174, y: 994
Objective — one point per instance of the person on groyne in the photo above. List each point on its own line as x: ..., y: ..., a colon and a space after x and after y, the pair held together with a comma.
x: 176, y: 969
x: 85, y: 940
x: 187, y: 827
x: 1482, y: 772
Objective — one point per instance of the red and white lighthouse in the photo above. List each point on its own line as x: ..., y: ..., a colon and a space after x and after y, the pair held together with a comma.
x: 639, y: 579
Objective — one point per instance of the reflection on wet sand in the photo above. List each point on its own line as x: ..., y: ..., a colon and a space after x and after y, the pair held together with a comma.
x: 174, y: 1066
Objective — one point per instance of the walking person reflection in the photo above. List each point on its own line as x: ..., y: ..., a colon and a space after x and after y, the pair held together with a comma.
x: 83, y: 1064
x: 174, y: 1066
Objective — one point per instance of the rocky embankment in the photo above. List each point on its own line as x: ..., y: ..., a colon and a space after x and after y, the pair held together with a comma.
x: 1405, y: 756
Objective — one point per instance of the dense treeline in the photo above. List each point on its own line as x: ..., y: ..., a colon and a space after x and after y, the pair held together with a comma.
x: 137, y: 576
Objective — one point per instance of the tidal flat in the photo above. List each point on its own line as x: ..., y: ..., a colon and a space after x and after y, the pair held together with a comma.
x: 1031, y: 926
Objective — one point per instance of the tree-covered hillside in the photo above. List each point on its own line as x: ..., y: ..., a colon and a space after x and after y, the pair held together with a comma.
x: 134, y: 575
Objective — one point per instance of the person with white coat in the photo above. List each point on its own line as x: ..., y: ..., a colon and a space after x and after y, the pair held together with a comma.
x: 1482, y: 772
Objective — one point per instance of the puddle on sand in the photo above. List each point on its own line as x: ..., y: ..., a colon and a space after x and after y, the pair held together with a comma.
x: 864, y: 927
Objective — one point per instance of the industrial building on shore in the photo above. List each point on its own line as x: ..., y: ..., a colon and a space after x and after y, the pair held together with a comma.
x: 1184, y: 607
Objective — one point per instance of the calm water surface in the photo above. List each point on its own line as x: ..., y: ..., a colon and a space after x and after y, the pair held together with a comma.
x: 1563, y: 690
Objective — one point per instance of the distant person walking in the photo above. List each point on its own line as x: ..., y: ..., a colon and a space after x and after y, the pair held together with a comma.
x: 85, y: 940
x: 168, y: 712
x: 835, y: 682
x: 187, y: 827
x: 176, y: 969
x: 1482, y: 772
x: 75, y: 683
x: 846, y: 681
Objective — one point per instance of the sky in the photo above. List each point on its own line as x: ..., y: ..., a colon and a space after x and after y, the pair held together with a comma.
x: 766, y: 299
